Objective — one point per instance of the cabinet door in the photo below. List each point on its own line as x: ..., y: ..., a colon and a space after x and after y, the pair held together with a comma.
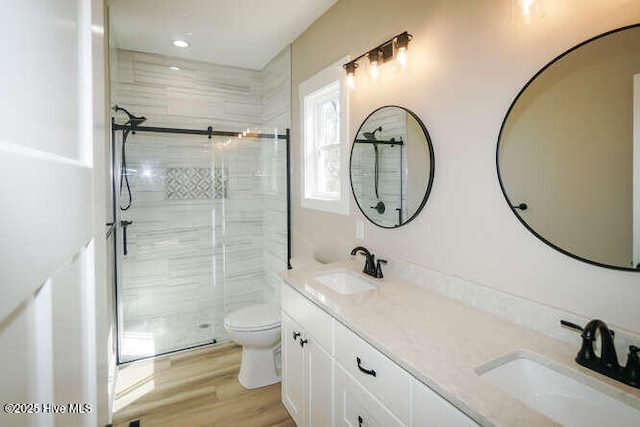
x: 377, y: 373
x: 356, y: 407
x: 319, y: 366
x: 312, y: 318
x: 293, y: 376
x: 430, y: 409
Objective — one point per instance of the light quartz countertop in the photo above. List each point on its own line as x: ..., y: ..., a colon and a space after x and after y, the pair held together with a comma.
x: 444, y: 343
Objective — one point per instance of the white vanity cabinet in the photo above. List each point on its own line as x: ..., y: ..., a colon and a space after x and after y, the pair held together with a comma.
x: 335, y: 378
x: 307, y: 362
x: 292, y: 369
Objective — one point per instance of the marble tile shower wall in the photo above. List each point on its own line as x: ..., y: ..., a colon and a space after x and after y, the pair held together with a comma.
x: 196, y: 247
x: 276, y: 114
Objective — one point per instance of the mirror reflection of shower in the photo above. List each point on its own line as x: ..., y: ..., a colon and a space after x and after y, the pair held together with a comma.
x: 132, y: 121
x: 391, y: 166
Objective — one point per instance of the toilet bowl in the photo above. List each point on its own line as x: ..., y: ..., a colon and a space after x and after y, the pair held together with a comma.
x: 257, y: 330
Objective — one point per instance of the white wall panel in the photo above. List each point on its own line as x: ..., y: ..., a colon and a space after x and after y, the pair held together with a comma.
x: 46, y: 219
x: 72, y: 318
x: 18, y: 367
x: 40, y: 45
x: 51, y: 88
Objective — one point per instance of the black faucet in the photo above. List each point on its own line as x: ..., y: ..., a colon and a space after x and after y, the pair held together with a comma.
x: 371, y: 267
x: 607, y: 364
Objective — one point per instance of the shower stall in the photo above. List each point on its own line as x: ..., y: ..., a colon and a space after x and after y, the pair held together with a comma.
x: 202, y: 229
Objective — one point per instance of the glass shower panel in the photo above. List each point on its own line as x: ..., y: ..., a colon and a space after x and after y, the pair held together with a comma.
x: 205, y: 238
x: 251, y: 228
x: 238, y: 241
x: 165, y: 290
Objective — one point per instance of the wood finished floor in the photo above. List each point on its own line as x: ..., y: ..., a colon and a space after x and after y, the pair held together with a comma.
x: 196, y: 388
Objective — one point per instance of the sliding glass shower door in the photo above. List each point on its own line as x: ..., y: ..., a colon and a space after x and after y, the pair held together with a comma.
x: 206, y: 234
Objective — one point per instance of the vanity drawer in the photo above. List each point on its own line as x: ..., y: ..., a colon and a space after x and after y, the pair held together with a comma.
x: 430, y: 409
x: 355, y: 406
x: 391, y: 384
x: 311, y: 317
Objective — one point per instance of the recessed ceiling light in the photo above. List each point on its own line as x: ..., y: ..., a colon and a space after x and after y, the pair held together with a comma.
x: 174, y: 68
x: 180, y: 43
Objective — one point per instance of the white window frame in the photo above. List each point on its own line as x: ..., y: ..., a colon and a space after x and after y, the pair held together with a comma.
x: 315, y: 88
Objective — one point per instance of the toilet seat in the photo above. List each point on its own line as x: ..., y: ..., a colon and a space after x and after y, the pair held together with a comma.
x: 257, y: 318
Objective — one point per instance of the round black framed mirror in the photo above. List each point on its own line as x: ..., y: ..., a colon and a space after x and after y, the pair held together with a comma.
x: 566, y: 160
x: 392, y: 166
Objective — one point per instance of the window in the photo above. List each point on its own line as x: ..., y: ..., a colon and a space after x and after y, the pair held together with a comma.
x: 323, y: 106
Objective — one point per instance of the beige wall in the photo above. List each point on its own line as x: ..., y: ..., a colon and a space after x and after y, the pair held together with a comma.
x: 467, y: 62
x: 567, y: 150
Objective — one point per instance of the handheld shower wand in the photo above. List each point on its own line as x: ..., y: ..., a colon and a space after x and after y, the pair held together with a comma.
x: 124, y: 175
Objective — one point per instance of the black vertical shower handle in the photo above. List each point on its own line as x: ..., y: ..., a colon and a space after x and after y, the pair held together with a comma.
x: 124, y: 225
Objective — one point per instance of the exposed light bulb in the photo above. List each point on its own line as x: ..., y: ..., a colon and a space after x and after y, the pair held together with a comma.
x: 146, y: 172
x: 351, y: 81
x: 528, y: 10
x: 374, y: 70
x: 401, y: 44
x: 374, y: 57
x: 350, y: 68
x: 402, y: 58
x: 174, y: 68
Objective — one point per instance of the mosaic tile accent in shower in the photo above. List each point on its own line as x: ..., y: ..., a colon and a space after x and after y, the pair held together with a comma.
x: 188, y: 183
x: 220, y: 183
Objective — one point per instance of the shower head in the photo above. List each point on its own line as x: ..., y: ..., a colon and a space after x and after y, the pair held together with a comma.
x: 372, y: 135
x: 133, y: 120
x: 136, y: 121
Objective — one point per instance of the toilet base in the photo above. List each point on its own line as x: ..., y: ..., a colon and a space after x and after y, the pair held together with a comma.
x: 258, y: 367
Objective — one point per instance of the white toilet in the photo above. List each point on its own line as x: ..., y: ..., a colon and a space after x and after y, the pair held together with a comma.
x: 257, y: 330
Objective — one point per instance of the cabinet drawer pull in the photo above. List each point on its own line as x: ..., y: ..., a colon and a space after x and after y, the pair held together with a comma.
x: 360, y: 421
x: 366, y: 371
x: 303, y: 342
x: 295, y: 335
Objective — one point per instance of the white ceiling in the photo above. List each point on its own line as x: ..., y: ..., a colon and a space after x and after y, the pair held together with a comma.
x: 242, y: 33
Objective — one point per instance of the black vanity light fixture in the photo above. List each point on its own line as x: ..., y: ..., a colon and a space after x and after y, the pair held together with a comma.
x: 396, y: 47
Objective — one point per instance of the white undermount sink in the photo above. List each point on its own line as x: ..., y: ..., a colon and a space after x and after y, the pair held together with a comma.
x: 564, y: 399
x: 345, y: 282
